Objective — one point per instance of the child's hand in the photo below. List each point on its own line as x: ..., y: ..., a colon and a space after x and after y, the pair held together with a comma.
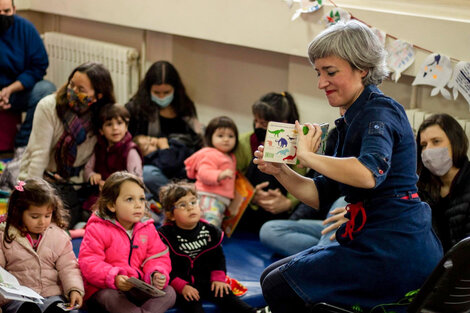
x: 122, y: 284
x: 95, y: 179
x: 158, y: 280
x: 76, y: 299
x: 228, y: 173
x: 190, y: 293
x: 220, y: 288
x: 162, y: 143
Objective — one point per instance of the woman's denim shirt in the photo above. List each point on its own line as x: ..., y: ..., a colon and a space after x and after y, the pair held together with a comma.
x: 376, y: 131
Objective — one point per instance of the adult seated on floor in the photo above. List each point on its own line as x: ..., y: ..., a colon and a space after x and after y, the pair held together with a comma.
x: 64, y: 131
x: 23, y: 64
x: 271, y: 200
x: 161, y: 108
x: 444, y: 176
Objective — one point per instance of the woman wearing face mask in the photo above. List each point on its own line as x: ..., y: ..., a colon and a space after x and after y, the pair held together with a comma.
x: 271, y: 200
x: 65, y: 127
x: 444, y: 172
x: 161, y: 108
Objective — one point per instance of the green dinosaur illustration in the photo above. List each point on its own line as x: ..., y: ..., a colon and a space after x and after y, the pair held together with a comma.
x: 276, y: 132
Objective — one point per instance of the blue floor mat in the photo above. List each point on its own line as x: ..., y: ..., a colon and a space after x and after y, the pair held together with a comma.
x: 246, y: 259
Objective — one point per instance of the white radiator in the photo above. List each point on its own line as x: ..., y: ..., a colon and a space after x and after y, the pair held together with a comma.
x: 417, y: 116
x: 67, y: 52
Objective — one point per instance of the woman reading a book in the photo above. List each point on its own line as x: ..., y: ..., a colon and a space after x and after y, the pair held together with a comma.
x: 387, y: 248
x: 271, y: 200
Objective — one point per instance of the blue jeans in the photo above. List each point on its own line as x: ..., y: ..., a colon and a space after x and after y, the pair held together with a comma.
x: 288, y: 237
x: 26, y: 101
x: 153, y: 180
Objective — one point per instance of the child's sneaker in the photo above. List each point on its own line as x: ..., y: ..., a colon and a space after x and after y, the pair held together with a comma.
x: 264, y: 310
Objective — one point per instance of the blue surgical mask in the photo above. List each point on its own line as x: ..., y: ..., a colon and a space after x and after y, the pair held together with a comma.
x: 163, y: 102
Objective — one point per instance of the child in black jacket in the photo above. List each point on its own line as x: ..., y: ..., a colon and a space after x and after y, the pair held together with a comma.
x: 198, y: 261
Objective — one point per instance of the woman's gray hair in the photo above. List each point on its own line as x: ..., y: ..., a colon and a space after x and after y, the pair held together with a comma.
x: 357, y: 44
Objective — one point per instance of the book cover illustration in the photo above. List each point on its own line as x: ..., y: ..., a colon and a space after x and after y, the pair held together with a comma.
x: 244, y: 191
x: 280, y: 145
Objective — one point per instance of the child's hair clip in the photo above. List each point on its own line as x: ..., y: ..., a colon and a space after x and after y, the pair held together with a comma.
x: 20, y: 185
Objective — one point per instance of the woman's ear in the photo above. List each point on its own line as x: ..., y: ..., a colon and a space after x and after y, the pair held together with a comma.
x: 99, y: 96
x: 364, y: 73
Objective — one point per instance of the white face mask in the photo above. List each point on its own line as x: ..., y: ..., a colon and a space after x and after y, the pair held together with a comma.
x: 437, y: 160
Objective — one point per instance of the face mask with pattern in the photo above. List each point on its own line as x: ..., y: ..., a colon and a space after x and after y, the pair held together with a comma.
x: 79, y: 102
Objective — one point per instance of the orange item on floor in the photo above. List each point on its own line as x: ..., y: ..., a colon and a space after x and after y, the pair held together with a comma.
x: 237, y: 288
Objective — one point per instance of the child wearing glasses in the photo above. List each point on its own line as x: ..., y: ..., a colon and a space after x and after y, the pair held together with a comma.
x: 214, y: 168
x: 198, y: 261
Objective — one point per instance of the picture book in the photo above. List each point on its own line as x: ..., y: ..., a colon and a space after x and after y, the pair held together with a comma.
x: 244, y: 191
x: 11, y: 289
x: 280, y: 145
x: 147, y: 289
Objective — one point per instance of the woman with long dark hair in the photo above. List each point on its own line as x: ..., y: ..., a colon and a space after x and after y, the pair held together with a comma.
x: 65, y: 128
x: 444, y: 172
x: 161, y: 108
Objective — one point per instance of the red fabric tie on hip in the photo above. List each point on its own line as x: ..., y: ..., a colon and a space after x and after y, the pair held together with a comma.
x: 412, y: 196
x: 354, y: 209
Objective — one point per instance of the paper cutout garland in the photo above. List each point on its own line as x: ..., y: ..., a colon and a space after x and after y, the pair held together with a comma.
x: 400, y: 56
x: 336, y: 15
x: 435, y: 71
x: 460, y: 81
x: 307, y: 6
x: 381, y: 35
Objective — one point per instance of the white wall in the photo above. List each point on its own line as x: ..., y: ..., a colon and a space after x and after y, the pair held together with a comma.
x: 231, y: 52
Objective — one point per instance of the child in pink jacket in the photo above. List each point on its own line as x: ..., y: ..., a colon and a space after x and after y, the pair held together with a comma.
x: 120, y: 242
x: 36, y: 250
x: 214, y: 169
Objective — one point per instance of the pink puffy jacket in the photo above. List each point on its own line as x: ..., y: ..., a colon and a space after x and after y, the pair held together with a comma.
x: 107, y: 251
x: 205, y: 166
x: 52, y: 270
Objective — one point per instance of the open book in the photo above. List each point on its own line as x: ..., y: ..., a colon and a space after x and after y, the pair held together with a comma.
x: 11, y: 289
x: 148, y: 290
x: 280, y: 145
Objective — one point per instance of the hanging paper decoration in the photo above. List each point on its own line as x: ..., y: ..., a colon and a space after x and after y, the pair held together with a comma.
x: 400, y: 56
x: 460, y: 81
x: 435, y: 71
x: 307, y: 6
x: 380, y: 34
x: 290, y: 2
x: 336, y: 15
